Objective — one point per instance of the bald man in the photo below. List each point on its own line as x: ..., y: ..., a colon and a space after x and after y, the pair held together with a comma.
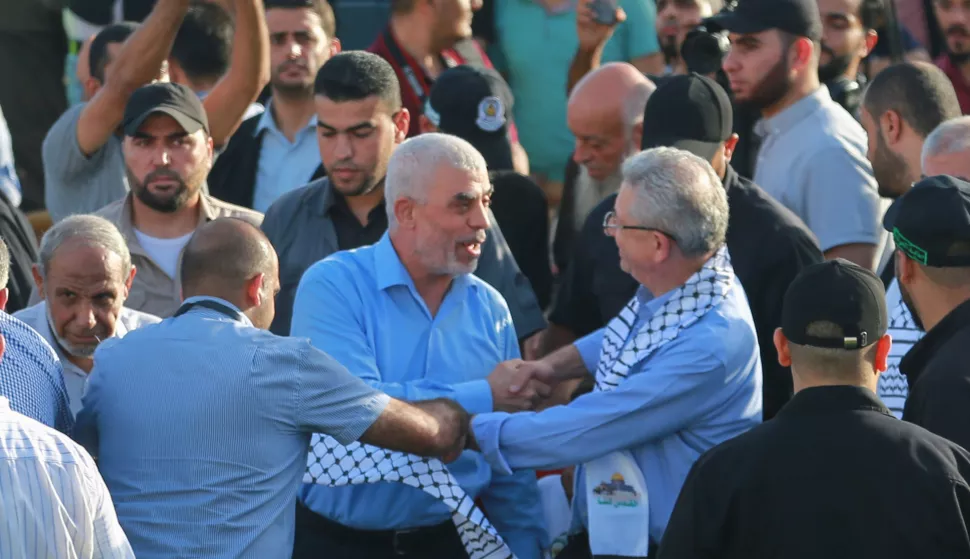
x: 605, y: 114
x: 947, y: 149
x: 204, y: 448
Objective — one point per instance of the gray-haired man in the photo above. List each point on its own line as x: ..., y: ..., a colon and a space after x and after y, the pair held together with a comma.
x: 83, y: 275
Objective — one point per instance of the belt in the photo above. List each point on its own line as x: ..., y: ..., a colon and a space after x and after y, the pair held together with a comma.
x: 401, y: 542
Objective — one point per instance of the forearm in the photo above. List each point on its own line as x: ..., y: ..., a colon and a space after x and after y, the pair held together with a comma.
x: 434, y: 428
x: 143, y: 53
x: 567, y: 363
x: 583, y: 63
x: 248, y: 71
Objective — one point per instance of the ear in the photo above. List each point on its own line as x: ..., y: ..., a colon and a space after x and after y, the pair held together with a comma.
x: 38, y: 279
x: 905, y: 268
x: 781, y: 345
x: 254, y: 290
x: 891, y: 127
x: 426, y: 126
x: 4, y: 297
x: 404, y: 212
x: 175, y: 73
x: 729, y: 146
x: 335, y: 47
x: 402, y: 122
x: 131, y: 278
x: 663, y: 248
x: 882, y: 353
x: 91, y: 87
x: 872, y: 38
x: 637, y: 136
x: 801, y: 52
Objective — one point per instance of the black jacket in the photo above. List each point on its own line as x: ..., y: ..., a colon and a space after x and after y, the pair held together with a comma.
x: 769, y: 246
x: 834, y: 475
x: 938, y: 370
x: 233, y: 175
x: 18, y: 234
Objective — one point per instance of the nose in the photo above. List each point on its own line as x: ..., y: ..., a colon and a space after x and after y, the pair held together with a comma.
x: 477, y: 5
x: 161, y: 156
x: 478, y: 217
x: 86, y: 317
x: 295, y: 49
x: 581, y: 154
x: 344, y: 148
x: 730, y: 63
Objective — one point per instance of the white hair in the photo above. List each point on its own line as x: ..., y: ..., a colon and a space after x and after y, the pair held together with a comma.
x: 951, y: 136
x: 680, y: 194
x: 411, y: 170
x: 635, y: 103
x: 90, y: 230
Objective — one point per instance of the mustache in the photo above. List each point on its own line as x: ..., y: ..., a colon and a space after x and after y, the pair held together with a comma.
x: 479, y: 237
x: 827, y: 50
x: 292, y: 64
x: 163, y: 174
x: 957, y: 29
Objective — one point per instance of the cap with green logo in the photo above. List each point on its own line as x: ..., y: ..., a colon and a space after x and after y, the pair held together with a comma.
x: 931, y: 222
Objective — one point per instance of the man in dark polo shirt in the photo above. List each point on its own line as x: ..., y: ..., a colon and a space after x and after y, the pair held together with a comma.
x: 834, y: 474
x: 931, y: 227
x: 769, y: 245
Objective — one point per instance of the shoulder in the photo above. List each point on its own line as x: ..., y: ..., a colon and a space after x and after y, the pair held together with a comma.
x: 221, y: 208
x: 65, y: 123
x: 520, y: 187
x: 26, y: 349
x: 296, y: 201
x: 112, y: 212
x: 347, y: 269
x: 31, y: 315
x: 755, y: 211
x: 489, y: 301
x: 134, y: 319
x: 594, y: 221
x: 38, y: 440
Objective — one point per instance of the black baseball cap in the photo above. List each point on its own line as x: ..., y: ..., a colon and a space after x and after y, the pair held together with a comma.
x: 175, y: 100
x: 474, y: 104
x: 927, y: 221
x: 798, y: 17
x: 690, y: 112
x: 838, y: 292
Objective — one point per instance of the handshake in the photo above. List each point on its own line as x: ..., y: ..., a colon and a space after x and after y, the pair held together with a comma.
x: 520, y: 385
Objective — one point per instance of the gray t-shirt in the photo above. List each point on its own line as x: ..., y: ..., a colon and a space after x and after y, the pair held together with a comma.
x: 813, y: 160
x: 76, y: 183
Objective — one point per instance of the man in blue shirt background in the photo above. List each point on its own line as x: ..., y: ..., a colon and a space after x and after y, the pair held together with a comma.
x: 408, y: 316
x: 201, y: 423
x: 676, y: 374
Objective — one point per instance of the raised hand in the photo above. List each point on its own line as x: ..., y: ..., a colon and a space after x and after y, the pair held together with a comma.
x: 592, y: 34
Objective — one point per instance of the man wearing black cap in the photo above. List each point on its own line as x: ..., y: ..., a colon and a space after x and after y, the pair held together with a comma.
x: 167, y: 153
x: 931, y: 227
x: 475, y: 105
x: 769, y: 245
x: 814, y: 481
x: 813, y: 153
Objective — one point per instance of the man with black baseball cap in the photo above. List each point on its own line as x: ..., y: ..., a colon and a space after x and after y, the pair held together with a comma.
x: 168, y: 152
x: 813, y: 481
x: 475, y: 104
x: 813, y: 153
x: 931, y: 227
x: 769, y: 245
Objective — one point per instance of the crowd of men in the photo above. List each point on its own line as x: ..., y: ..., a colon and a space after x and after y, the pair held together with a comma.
x: 265, y: 296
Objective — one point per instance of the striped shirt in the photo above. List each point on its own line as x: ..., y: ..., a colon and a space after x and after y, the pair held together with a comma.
x: 31, y: 377
x: 53, y: 503
x: 201, y: 425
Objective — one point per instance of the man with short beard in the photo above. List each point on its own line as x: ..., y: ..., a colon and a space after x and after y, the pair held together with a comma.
x: 407, y: 316
x: 360, y: 121
x: 902, y: 105
x: 168, y: 153
x: 954, y: 19
x: 931, y: 227
x: 675, y: 19
x: 812, y: 156
x: 276, y: 152
x: 848, y: 36
x: 84, y: 275
x: 605, y: 115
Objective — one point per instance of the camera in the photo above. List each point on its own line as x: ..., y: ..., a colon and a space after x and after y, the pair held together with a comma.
x: 706, y: 45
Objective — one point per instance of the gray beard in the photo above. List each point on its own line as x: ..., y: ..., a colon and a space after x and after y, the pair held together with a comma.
x: 590, y: 192
x: 83, y: 352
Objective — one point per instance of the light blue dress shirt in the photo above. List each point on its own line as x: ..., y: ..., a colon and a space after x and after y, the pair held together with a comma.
x: 699, y: 390
x: 201, y: 425
x: 362, y: 308
x: 283, y: 165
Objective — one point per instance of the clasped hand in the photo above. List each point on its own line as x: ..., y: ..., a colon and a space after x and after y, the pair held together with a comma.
x: 520, y: 385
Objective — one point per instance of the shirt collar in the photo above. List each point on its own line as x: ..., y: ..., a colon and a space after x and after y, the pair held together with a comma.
x: 827, y: 399
x: 242, y: 316
x: 914, y: 362
x: 267, y: 122
x: 792, y: 115
x: 390, y: 271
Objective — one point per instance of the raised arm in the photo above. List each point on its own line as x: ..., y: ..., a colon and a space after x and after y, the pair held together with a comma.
x: 138, y: 63
x: 248, y: 72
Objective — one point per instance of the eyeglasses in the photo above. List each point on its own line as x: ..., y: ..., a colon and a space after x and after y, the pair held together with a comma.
x: 610, y: 225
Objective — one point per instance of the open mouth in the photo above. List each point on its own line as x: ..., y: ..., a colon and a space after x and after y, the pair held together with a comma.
x: 472, y: 248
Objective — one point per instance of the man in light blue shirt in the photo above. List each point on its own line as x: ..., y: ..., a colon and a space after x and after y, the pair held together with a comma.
x: 408, y: 316
x: 675, y: 374
x: 201, y: 423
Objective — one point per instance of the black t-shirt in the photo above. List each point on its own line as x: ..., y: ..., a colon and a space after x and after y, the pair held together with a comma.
x: 769, y: 246
x: 350, y: 233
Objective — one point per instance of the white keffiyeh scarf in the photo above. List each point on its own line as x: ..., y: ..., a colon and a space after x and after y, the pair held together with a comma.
x: 616, y: 493
x: 333, y: 464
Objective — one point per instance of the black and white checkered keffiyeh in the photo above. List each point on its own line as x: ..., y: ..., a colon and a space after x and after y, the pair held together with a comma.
x: 623, y: 347
x: 333, y: 464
